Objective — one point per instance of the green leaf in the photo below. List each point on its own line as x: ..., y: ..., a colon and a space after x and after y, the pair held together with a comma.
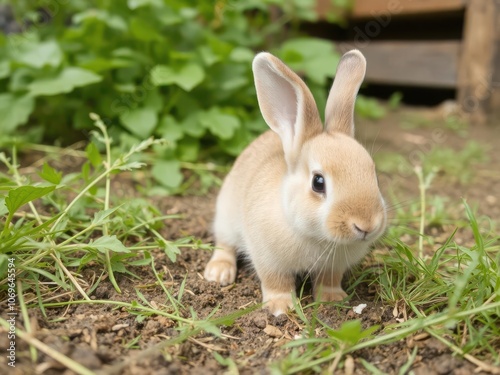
x: 171, y: 251
x: 351, y: 332
x: 144, y: 30
x: 3, y: 207
x: 102, y: 64
x: 394, y: 100
x: 235, y: 145
x: 50, y: 276
x: 170, y: 129
x: 93, y: 155
x: 108, y: 243
x: 192, y: 126
x: 37, y: 54
x: 211, y: 328
x: 154, y: 100
x: 86, y: 171
x: 320, y: 68
x: 187, y: 77
x: 242, y: 54
x: 230, y: 78
x: 50, y: 174
x: 118, y: 266
x: 219, y: 123
x: 140, y: 121
x: 139, y: 262
x: 315, y: 57
x: 188, y: 149
x: 130, y: 166
x: 4, y: 263
x: 134, y: 4
x: 208, y: 56
x: 25, y: 194
x: 169, y: 18
x: 168, y: 173
x: 369, y: 108
x: 66, y: 81
x: 101, y: 217
x: 113, y: 21
x: 4, y: 69
x: 14, y: 111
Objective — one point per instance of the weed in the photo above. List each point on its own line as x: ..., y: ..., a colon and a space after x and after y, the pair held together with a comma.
x: 452, y: 165
x: 59, y: 233
x: 453, y: 295
x: 451, y: 122
x: 72, y: 221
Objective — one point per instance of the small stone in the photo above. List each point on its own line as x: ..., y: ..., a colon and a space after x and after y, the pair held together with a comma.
x: 260, y: 321
x: 117, y: 327
x: 273, y: 331
x: 446, y: 364
x: 491, y: 199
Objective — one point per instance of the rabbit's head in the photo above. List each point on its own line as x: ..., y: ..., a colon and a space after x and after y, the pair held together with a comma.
x: 330, y: 189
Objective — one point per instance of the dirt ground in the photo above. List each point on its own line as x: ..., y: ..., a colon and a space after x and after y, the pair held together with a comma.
x: 95, y: 336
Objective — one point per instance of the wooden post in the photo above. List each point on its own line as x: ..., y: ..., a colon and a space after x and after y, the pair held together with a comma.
x: 479, y: 70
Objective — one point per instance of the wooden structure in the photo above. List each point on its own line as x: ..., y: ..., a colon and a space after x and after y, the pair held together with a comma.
x: 471, y: 64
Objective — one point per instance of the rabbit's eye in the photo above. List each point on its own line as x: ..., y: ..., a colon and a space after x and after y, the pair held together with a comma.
x: 318, y: 183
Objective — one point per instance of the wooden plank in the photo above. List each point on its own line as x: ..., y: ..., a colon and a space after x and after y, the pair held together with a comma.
x: 374, y: 8
x: 388, y: 8
x: 420, y: 63
x: 478, y: 75
x: 495, y: 82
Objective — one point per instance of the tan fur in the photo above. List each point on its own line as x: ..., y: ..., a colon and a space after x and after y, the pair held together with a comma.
x: 266, y: 208
x: 342, y: 97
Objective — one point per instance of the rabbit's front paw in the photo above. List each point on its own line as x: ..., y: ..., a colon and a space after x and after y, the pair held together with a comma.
x: 279, y: 304
x: 221, y: 271
x: 330, y: 294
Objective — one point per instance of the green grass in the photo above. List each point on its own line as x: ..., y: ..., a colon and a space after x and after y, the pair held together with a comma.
x: 83, y: 223
x: 455, y: 165
x: 78, y: 225
x: 453, y: 295
x: 58, y: 223
x: 447, y: 290
x: 451, y: 121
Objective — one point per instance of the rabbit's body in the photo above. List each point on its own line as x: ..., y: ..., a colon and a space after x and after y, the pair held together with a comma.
x: 269, y: 209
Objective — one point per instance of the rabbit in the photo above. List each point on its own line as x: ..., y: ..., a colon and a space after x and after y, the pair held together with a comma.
x: 302, y: 197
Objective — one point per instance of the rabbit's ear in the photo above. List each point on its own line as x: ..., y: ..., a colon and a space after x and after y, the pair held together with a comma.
x: 286, y: 104
x: 339, y: 114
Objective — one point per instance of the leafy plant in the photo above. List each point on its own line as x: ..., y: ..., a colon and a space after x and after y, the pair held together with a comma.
x: 180, y: 70
x: 77, y: 224
x: 369, y: 108
x: 394, y: 100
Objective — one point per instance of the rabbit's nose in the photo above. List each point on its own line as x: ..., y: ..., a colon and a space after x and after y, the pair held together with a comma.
x: 360, y: 230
